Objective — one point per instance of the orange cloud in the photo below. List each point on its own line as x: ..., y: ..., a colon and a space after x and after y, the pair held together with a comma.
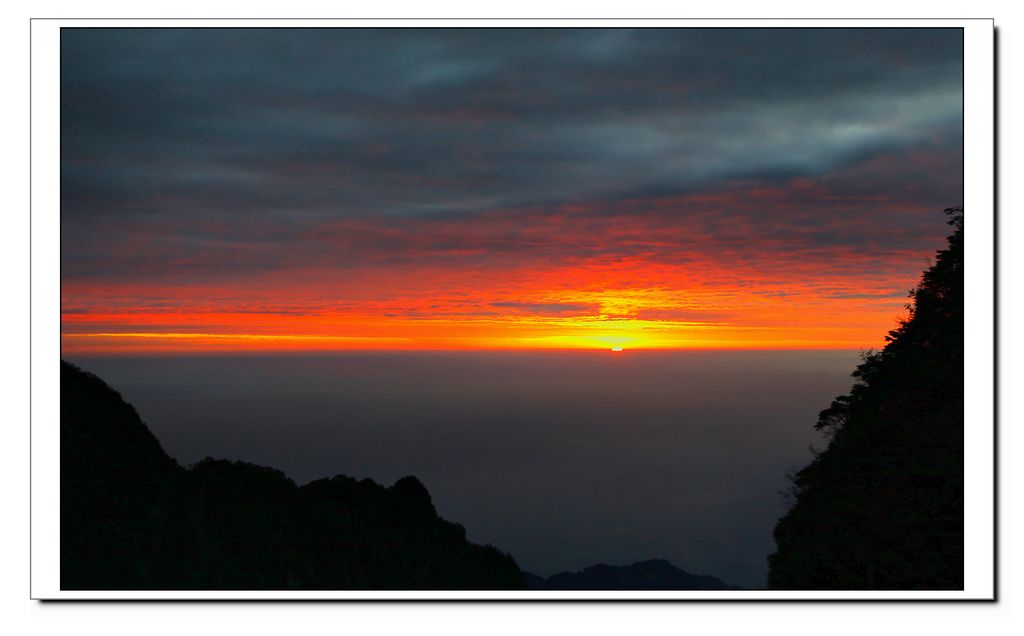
x: 669, y: 272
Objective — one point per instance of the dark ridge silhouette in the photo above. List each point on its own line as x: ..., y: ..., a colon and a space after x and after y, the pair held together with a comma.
x: 882, y: 506
x: 656, y: 574
x: 133, y: 519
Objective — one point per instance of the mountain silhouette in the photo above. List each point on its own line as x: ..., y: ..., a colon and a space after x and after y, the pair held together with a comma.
x: 656, y: 574
x: 882, y: 506
x: 133, y: 519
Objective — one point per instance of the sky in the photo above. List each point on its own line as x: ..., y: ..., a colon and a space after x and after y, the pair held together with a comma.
x: 333, y: 189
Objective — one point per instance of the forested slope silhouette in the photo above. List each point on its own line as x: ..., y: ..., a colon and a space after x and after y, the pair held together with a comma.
x: 882, y: 506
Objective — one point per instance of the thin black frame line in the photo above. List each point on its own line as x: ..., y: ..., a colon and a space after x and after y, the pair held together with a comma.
x: 495, y: 28
x: 995, y: 312
x: 775, y: 19
x: 30, y: 309
x: 417, y: 601
x: 995, y: 596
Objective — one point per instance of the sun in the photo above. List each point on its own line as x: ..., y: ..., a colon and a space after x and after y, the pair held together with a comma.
x: 617, y: 349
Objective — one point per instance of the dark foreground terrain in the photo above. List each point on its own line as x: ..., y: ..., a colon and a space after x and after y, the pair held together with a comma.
x: 883, y: 506
x: 133, y: 519
x: 656, y: 574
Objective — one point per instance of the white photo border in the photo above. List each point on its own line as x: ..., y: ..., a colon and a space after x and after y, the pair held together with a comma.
x: 979, y: 362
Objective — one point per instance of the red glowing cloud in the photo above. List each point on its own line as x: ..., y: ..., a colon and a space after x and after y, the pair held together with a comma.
x: 418, y: 188
x: 675, y: 272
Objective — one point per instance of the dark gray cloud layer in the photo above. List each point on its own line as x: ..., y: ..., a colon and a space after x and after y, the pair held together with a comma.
x: 258, y: 136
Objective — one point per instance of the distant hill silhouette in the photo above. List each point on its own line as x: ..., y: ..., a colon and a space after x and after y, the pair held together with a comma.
x: 656, y: 574
x: 882, y: 506
x: 133, y: 519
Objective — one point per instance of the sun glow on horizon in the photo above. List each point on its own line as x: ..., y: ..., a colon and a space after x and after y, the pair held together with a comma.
x: 546, y: 312
x: 367, y: 334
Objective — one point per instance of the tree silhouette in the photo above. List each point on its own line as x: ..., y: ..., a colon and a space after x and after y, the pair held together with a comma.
x: 882, y: 506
